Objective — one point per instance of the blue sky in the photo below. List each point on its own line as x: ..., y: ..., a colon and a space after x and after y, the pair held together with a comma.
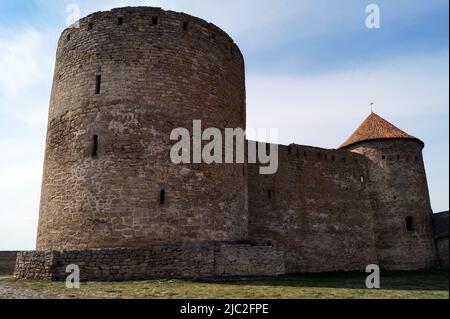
x: 312, y: 70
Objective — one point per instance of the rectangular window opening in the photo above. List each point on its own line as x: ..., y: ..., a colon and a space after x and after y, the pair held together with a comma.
x: 154, y: 20
x: 185, y: 26
x: 98, y: 83
x: 120, y: 20
x: 409, y: 223
x: 95, y: 146
x: 162, y: 197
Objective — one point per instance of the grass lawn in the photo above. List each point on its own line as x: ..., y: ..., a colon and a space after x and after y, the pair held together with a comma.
x: 394, y: 284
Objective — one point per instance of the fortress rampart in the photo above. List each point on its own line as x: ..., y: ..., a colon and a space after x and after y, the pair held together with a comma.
x: 113, y: 202
x: 318, y: 206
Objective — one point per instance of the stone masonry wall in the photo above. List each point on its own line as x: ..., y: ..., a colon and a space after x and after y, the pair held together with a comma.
x: 7, y: 262
x: 200, y: 260
x: 245, y: 260
x: 442, y: 251
x: 441, y: 233
x: 35, y: 265
x: 159, y: 70
x: 317, y: 207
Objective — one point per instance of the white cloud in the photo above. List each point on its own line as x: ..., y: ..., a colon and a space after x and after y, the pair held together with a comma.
x: 19, y: 194
x: 324, y: 109
x: 26, y: 64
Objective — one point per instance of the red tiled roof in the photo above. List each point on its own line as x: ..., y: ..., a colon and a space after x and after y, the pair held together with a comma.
x: 376, y: 128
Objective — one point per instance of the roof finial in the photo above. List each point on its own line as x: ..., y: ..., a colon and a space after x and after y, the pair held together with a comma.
x: 371, y: 107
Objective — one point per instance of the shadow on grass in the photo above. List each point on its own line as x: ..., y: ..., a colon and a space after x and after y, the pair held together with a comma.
x: 426, y: 280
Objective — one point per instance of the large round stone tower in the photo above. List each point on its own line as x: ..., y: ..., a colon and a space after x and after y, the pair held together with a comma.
x: 399, y: 194
x: 124, y: 79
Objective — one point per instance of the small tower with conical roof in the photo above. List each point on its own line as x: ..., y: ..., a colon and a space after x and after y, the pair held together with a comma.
x: 399, y: 194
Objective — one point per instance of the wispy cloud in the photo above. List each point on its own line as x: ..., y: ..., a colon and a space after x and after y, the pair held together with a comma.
x: 26, y: 64
x: 324, y: 109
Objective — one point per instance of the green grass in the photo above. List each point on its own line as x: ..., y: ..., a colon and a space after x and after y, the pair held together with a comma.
x: 394, y: 284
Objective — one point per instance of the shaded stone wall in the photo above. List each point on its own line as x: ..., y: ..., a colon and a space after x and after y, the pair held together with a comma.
x: 159, y: 70
x: 245, y: 260
x: 199, y: 260
x: 7, y: 262
x: 440, y: 228
x: 399, y: 190
x: 317, y: 207
x: 442, y: 252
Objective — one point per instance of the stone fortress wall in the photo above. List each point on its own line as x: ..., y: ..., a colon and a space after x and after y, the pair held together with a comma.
x: 7, y: 262
x: 440, y: 225
x: 317, y: 206
x: 113, y: 203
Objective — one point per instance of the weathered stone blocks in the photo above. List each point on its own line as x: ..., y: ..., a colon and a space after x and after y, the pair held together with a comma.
x: 174, y: 261
x: 319, y: 209
x: 7, y: 262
